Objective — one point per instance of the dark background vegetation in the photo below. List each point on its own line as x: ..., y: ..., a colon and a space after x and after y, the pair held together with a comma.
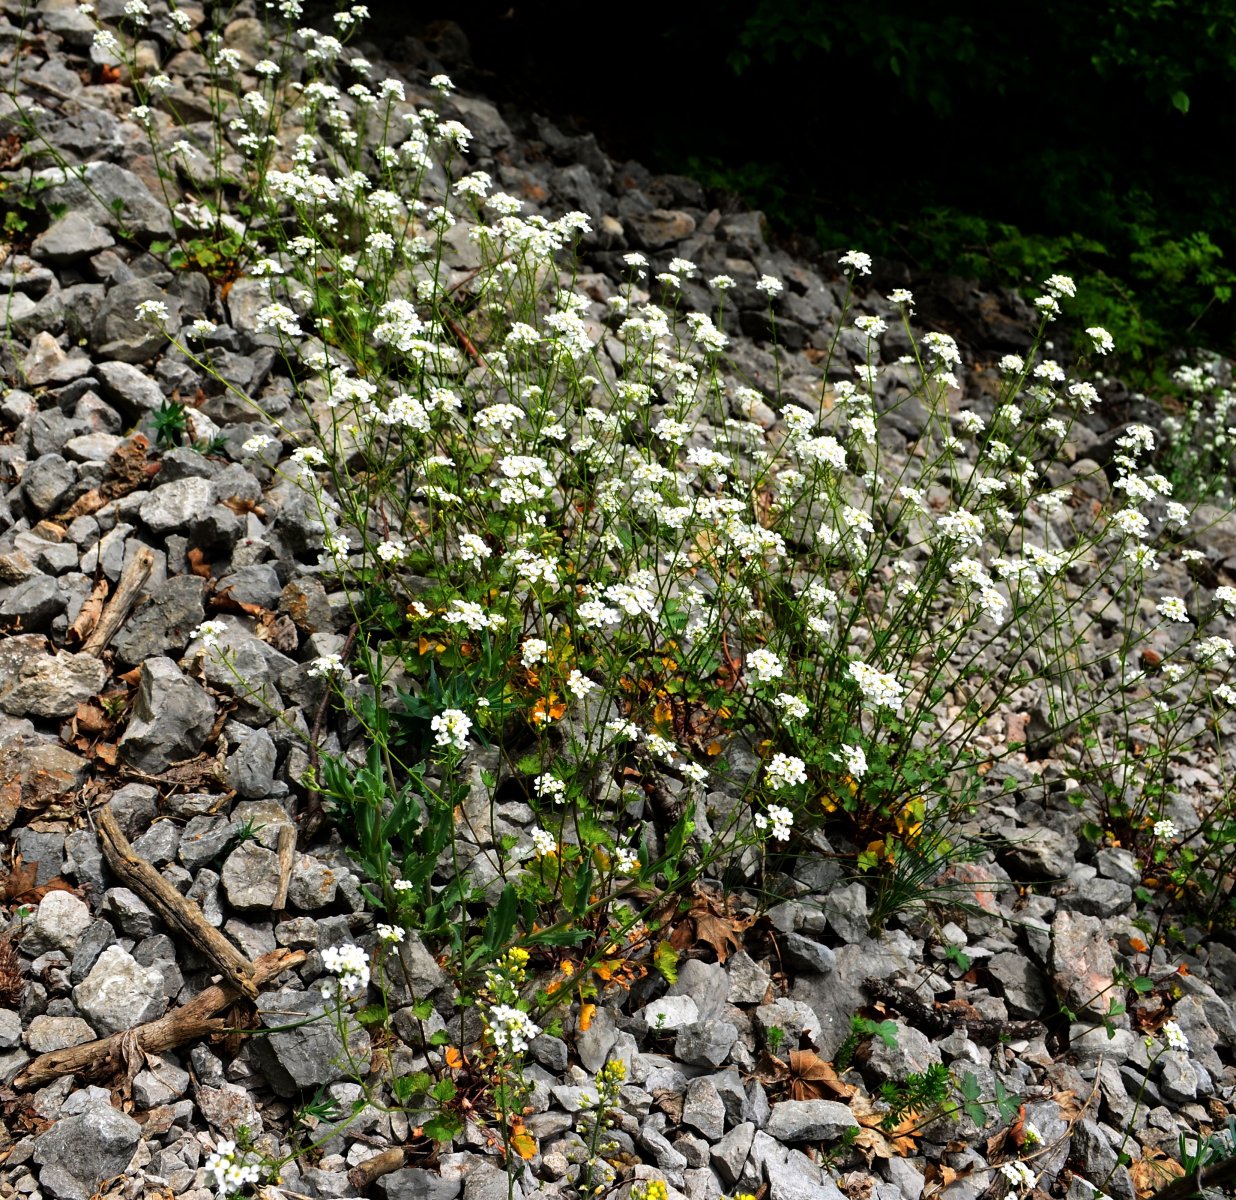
x: 999, y: 142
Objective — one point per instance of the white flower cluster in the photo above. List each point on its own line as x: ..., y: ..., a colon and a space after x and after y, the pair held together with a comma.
x: 350, y: 963
x: 451, y: 728
x: 512, y: 1031
x: 880, y: 690
x: 231, y: 1168
x: 778, y: 821
x: 784, y: 771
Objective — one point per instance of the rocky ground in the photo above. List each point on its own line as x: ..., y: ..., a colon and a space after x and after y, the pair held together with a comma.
x: 91, y: 508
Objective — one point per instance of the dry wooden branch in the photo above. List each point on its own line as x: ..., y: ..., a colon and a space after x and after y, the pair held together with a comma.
x: 190, y: 1021
x: 363, y: 1174
x: 285, y: 848
x: 177, y: 912
x: 87, y: 619
x: 132, y: 580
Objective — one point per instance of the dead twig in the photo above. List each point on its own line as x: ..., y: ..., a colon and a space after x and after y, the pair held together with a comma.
x: 196, y: 1019
x: 176, y: 912
x: 116, y: 612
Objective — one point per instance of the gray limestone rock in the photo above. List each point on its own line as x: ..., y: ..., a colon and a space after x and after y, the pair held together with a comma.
x: 171, y: 717
x: 705, y: 1043
x: 78, y: 1152
x: 310, y: 1054
x: 131, y: 389
x: 810, y: 1121
x: 251, y: 766
x: 1025, y: 990
x: 59, y: 921
x: 172, y: 506
x: 250, y: 877
x: 46, y: 480
x: 670, y: 1012
x: 1081, y: 962
x: 45, y: 1034
x: 75, y: 235
x: 98, y: 190
x: 703, y: 1110
x: 706, y: 983
x: 119, y: 992
x: 163, y: 621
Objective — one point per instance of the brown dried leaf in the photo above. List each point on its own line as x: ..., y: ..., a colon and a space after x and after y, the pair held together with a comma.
x: 1153, y: 1171
x: 19, y: 887
x: 811, y: 1078
x: 12, y: 985
x: 279, y: 631
x: 197, y: 563
x: 708, y: 920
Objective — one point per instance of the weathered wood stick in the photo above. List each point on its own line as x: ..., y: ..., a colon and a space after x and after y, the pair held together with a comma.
x: 132, y: 580
x: 363, y: 1174
x: 177, y: 912
x: 189, y: 1022
x: 285, y: 847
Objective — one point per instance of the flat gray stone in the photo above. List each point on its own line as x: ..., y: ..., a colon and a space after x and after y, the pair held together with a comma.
x: 810, y: 1121
x: 119, y: 992
x: 78, y: 1152
x: 172, y: 506
x: 170, y: 720
x: 250, y: 877
x: 670, y: 1012
x: 309, y: 1055
x: 45, y: 1034
x: 59, y: 921
x: 75, y: 235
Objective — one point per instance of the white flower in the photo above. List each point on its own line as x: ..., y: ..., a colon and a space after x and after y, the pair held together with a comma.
x: 550, y: 787
x: 326, y: 664
x: 766, y: 665
x: 769, y: 286
x: 1166, y: 829
x: 794, y: 707
x: 473, y: 548
x: 511, y: 1029
x: 1103, y: 341
x: 403, y: 885
x: 1060, y: 285
x: 721, y: 283
x: 279, y: 317
x: 1012, y: 364
x: 1227, y: 597
x: 858, y: 260
x: 880, y: 689
x: 451, y: 728
x: 855, y: 759
x: 578, y: 684
x: 1174, y: 1036
x: 391, y: 933
x: 391, y: 551
x: 900, y: 296
x: 1173, y: 608
x: 542, y: 842
x: 779, y: 819
x: 209, y: 633
x: 442, y: 83
x: 785, y: 771
x: 533, y: 651
x: 152, y: 310
x: 255, y: 445
x: 350, y: 963
x: 626, y: 860
x: 1018, y: 1174
x: 231, y: 1168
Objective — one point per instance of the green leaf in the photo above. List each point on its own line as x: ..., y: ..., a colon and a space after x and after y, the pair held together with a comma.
x: 372, y: 1014
x: 500, y: 922
x: 1180, y: 101
x: 443, y: 1127
x: 665, y: 959
x: 1142, y: 985
x: 969, y: 1089
x: 444, y: 1091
